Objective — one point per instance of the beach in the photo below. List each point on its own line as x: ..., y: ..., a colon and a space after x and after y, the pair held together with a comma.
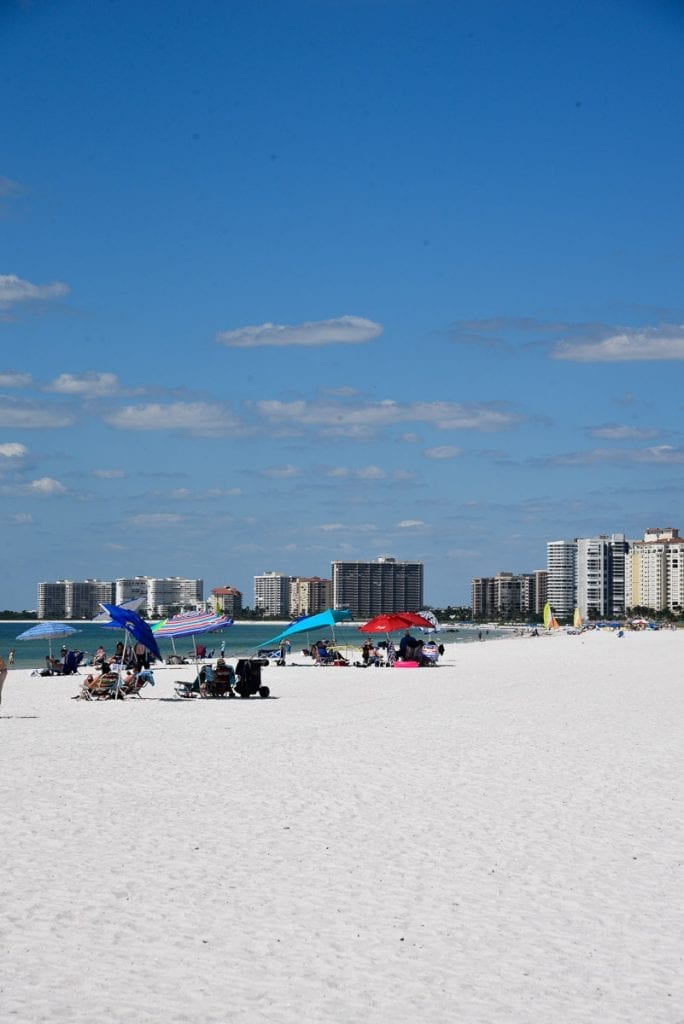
x: 495, y: 840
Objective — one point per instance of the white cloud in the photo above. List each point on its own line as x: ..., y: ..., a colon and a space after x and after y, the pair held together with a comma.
x: 350, y: 528
x: 91, y: 383
x: 366, y: 473
x: 620, y: 432
x: 15, y: 289
x: 44, y: 486
x: 364, y: 418
x: 109, y: 474
x: 22, y: 519
x: 12, y: 379
x: 202, y: 419
x: 626, y: 345
x: 32, y: 415
x: 445, y: 451
x: 411, y: 524
x: 13, y: 450
x: 154, y: 519
x: 659, y: 455
x: 347, y: 330
x: 282, y: 472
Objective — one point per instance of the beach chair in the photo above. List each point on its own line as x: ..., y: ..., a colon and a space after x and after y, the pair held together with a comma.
x: 187, y: 690
x: 139, y: 681
x: 104, y: 688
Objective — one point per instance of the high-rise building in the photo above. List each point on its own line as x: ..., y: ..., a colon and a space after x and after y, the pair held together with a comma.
x: 655, y: 571
x: 309, y: 595
x: 507, y: 596
x: 52, y: 600
x: 600, y: 576
x: 131, y: 588
x: 272, y: 594
x: 70, y: 599
x: 160, y: 596
x: 226, y: 601
x: 587, y: 573
x: 383, y: 585
x: 561, y: 567
x: 541, y: 590
x: 172, y: 595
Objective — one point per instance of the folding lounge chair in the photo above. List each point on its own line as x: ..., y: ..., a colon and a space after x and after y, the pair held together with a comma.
x: 137, y: 683
x: 104, y: 688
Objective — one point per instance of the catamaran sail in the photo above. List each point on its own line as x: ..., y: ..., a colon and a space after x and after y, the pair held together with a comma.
x: 550, y: 620
x: 577, y: 619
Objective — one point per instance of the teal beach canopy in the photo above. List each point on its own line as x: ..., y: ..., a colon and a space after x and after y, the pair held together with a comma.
x: 330, y: 617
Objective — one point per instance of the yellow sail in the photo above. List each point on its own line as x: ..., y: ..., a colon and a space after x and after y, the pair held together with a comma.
x: 577, y: 620
x: 547, y: 615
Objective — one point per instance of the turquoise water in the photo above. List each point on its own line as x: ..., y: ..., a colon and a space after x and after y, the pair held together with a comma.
x: 241, y: 639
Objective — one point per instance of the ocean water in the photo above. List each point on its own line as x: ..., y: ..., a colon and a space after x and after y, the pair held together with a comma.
x: 242, y: 639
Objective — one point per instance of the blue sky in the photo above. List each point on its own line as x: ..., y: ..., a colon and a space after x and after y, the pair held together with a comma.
x: 286, y: 282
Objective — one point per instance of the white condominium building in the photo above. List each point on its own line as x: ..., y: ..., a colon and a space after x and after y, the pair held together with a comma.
x: 73, y: 599
x: 561, y: 580
x: 588, y: 573
x: 655, y: 571
x: 600, y: 575
x: 161, y: 596
x: 272, y: 594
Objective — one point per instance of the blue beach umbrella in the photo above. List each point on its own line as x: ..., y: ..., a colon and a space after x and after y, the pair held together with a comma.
x: 133, y: 625
x: 48, y: 631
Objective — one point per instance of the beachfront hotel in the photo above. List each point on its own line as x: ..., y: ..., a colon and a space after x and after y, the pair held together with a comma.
x: 309, y: 595
x: 69, y: 599
x: 655, y: 571
x: 72, y: 599
x: 383, y: 585
x: 226, y: 601
x: 161, y: 596
x: 272, y: 594
x: 508, y: 596
x: 588, y: 573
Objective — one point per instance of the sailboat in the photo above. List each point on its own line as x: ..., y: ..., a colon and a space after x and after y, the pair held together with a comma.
x: 577, y: 619
x: 550, y: 620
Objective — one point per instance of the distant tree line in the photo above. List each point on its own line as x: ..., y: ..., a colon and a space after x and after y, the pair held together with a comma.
x: 8, y: 616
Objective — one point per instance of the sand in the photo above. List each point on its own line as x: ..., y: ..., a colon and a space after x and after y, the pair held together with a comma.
x: 497, y: 839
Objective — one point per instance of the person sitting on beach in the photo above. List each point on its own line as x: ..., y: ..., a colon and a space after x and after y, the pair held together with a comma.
x: 407, y: 646
x: 53, y: 666
x: 224, y: 680
x: 373, y: 654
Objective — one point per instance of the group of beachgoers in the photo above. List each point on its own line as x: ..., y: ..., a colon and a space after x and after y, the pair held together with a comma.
x: 411, y: 651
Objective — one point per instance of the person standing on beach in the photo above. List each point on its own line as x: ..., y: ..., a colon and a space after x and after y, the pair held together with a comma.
x: 10, y: 657
x: 3, y: 675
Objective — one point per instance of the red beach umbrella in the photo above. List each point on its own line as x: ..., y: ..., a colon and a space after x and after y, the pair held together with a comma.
x: 391, y: 622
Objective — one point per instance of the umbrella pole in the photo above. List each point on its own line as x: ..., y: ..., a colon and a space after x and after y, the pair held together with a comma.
x: 121, y: 665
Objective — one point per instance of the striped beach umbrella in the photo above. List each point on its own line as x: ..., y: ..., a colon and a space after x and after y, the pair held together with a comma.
x: 192, y: 624
x: 48, y: 631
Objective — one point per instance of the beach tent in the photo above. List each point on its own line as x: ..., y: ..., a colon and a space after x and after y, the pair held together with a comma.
x: 330, y: 617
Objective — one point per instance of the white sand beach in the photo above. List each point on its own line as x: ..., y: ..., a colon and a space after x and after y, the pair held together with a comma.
x: 496, y: 840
